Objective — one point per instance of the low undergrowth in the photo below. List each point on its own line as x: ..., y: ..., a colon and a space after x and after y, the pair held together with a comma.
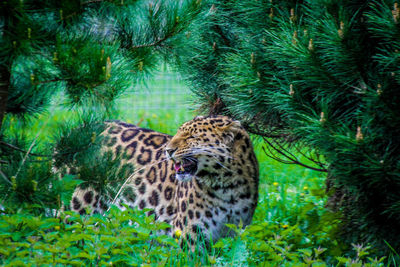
x: 128, y: 237
x: 283, y: 233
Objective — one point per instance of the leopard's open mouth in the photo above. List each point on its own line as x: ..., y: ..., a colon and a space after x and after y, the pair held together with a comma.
x: 186, y: 166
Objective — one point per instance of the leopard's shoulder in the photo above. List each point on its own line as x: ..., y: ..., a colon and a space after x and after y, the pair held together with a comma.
x: 134, y: 144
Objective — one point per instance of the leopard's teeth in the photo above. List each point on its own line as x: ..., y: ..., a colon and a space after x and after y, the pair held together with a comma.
x: 181, y: 169
x: 181, y: 166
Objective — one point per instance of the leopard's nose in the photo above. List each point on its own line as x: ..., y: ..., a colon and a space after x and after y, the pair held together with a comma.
x: 170, y: 151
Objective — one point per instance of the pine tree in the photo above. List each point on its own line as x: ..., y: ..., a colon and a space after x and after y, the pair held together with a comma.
x: 316, y: 75
x: 91, y: 51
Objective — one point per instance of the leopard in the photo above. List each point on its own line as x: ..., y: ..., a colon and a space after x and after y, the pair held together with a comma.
x: 199, y: 180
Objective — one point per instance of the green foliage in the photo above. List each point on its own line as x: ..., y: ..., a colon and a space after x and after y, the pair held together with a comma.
x: 75, y: 144
x: 91, y: 50
x: 93, y: 73
x: 290, y: 228
x: 80, y: 152
x: 97, y: 240
x: 29, y: 183
x: 83, y: 54
x: 322, y: 74
x: 45, y: 178
x: 292, y: 232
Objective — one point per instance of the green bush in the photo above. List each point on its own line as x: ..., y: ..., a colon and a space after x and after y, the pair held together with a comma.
x: 310, y: 239
x: 290, y: 228
x: 85, y: 240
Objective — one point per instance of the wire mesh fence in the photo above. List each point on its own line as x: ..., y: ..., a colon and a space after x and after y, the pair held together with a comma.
x: 163, y: 102
x: 166, y: 90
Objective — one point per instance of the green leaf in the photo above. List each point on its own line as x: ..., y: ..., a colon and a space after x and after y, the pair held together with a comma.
x: 343, y: 260
x: 16, y: 236
x: 307, y: 252
x: 67, y: 186
x: 84, y: 255
x: 219, y: 244
x: 107, y: 238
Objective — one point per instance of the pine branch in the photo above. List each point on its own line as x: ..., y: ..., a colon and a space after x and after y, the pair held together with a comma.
x: 4, y: 75
x: 268, y: 135
x: 316, y: 162
x: 91, y: 1
x: 51, y: 81
x: 155, y: 43
x: 82, y: 4
x: 5, y: 177
x: 4, y: 88
x: 226, y: 40
x: 31, y: 147
x: 160, y: 40
x: 292, y: 159
x: 24, y: 151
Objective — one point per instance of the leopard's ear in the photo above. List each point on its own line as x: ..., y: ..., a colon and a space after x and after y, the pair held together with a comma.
x: 236, y: 125
x: 232, y: 126
x: 197, y: 118
x: 230, y: 131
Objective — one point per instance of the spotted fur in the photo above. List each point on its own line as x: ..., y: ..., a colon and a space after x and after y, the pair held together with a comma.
x: 220, y: 187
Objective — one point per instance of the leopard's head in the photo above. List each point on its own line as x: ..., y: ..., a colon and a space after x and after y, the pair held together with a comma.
x: 204, y: 146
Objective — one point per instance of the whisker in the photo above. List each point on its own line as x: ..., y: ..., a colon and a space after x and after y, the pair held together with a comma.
x: 222, y: 165
x: 130, y: 176
x: 191, y: 159
x: 200, y: 150
x: 214, y: 150
x: 216, y: 145
x: 188, y: 156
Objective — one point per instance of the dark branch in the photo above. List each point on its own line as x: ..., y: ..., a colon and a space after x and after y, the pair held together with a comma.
x: 155, y: 43
x: 310, y: 158
x: 24, y: 151
x: 267, y: 135
x: 5, y: 177
x: 50, y: 81
x: 292, y: 159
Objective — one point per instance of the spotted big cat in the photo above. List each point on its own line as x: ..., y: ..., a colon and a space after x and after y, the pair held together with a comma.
x: 199, y: 180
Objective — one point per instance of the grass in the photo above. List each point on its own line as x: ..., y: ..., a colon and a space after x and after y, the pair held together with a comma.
x: 290, y: 227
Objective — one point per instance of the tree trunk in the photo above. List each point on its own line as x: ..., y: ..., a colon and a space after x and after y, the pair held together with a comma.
x: 5, y: 73
x: 4, y: 86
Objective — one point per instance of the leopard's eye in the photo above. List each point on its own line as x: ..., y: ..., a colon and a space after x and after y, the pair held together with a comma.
x: 192, y: 136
